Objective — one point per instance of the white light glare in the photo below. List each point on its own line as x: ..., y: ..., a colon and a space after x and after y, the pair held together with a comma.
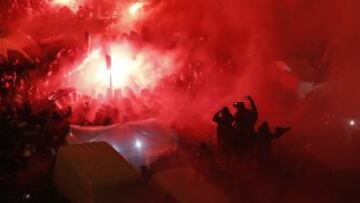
x: 71, y: 4
x: 27, y: 196
x: 135, y: 8
x: 138, y: 144
x: 352, y: 123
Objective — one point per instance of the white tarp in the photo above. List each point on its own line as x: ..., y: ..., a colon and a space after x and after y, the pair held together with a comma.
x: 139, y: 142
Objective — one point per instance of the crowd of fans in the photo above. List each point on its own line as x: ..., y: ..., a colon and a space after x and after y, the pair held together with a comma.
x: 31, y: 132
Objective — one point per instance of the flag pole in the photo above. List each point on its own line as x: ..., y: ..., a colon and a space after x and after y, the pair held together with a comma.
x: 108, y: 66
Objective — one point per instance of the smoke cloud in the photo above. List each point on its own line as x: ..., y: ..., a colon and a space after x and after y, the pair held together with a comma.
x: 297, y: 58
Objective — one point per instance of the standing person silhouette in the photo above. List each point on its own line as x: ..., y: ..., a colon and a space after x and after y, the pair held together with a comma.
x: 245, y: 118
x: 244, y: 125
x: 225, y: 130
x: 263, y: 140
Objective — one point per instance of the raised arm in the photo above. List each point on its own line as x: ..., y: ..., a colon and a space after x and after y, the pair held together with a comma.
x: 253, y: 107
x: 279, y: 131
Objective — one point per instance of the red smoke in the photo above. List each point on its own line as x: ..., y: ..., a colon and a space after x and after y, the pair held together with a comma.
x: 298, y: 59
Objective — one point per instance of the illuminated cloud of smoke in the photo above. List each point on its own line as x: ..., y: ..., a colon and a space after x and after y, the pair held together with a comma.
x: 71, y: 4
x: 228, y: 49
x: 134, y: 68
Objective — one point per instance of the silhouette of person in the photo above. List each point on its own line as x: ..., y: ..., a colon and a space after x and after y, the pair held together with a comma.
x: 224, y: 119
x: 244, y: 125
x: 245, y: 118
x: 263, y: 141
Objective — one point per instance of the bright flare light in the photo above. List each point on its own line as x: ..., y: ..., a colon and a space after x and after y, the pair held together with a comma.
x: 72, y: 4
x: 135, y: 8
x: 138, y: 144
x: 63, y: 2
x: 352, y: 123
x: 130, y: 15
x: 131, y: 68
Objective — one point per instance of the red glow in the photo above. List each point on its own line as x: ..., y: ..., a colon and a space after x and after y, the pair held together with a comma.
x: 131, y: 68
x: 135, y: 8
x: 72, y: 4
x: 129, y: 15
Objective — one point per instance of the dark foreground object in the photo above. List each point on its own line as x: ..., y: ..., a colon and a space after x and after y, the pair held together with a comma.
x: 95, y: 172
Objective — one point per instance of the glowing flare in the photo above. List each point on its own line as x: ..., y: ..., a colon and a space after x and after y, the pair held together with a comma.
x: 72, y: 4
x: 64, y: 2
x: 135, y: 8
x: 352, y: 123
x: 131, y: 68
x: 138, y: 144
x: 130, y: 15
